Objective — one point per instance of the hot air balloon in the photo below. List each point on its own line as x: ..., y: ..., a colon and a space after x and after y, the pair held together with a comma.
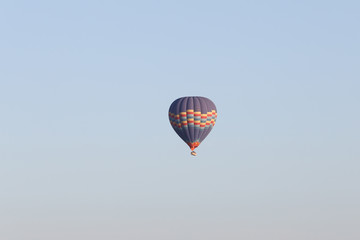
x: 192, y: 118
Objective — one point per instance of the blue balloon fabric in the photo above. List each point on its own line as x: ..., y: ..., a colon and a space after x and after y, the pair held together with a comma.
x: 192, y: 118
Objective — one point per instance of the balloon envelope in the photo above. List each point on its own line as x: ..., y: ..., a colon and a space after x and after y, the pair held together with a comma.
x: 192, y: 118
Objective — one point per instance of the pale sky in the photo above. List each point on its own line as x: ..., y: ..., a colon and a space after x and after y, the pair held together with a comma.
x: 87, y: 151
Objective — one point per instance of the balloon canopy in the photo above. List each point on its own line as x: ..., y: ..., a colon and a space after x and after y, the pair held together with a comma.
x: 192, y: 118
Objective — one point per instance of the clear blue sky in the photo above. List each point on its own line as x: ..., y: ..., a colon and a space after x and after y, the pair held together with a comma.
x: 87, y: 152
